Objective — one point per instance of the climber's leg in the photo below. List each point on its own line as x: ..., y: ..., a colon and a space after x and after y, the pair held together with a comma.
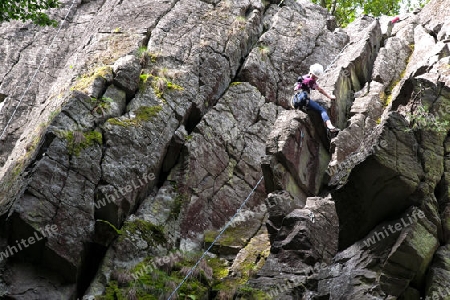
x: 323, y: 112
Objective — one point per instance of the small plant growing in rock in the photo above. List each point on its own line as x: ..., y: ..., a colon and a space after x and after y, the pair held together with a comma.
x: 132, y: 294
x: 264, y: 50
x: 78, y: 140
x: 158, y: 82
x: 422, y: 119
x: 84, y: 81
x: 118, y: 231
x: 53, y: 115
x: 239, y: 23
x: 101, y: 104
x: 142, y: 50
x: 145, y: 57
x: 142, y: 114
x: 122, y: 277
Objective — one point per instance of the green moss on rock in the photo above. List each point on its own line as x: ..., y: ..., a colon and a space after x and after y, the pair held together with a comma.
x: 151, y: 233
x: 176, y: 206
x: 112, y: 292
x: 142, y: 114
x: 232, y: 236
x: 79, y: 140
x: 247, y: 292
x: 219, y: 267
x: 159, y: 84
x: 161, y: 283
x: 85, y: 80
x: 146, y: 113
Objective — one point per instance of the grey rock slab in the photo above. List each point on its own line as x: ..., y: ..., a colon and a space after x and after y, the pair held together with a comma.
x: 127, y: 70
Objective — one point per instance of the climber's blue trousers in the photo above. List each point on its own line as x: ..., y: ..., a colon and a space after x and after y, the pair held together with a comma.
x: 315, y: 106
x: 301, y: 99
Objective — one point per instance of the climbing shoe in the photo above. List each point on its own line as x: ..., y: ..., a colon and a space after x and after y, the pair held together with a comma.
x: 332, y: 132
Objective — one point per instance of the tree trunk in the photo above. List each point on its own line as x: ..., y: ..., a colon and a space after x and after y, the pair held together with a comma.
x: 333, y: 7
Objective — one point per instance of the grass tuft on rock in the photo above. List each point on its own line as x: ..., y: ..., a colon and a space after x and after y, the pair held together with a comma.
x: 142, y: 114
x: 151, y: 233
x: 79, y: 140
x: 86, y: 80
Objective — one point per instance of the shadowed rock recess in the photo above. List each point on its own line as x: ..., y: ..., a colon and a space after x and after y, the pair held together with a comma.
x: 131, y: 137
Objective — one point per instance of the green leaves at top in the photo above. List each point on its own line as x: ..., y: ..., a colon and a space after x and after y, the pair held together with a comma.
x: 28, y: 10
x: 346, y: 11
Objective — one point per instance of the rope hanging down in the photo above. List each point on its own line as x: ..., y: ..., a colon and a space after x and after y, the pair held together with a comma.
x: 242, y: 205
x: 35, y: 73
x: 215, y: 240
x: 337, y: 56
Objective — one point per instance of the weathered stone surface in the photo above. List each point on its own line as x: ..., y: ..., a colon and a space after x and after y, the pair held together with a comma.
x: 391, y: 61
x: 127, y: 70
x: 298, y: 37
x: 151, y: 150
x: 311, y: 231
x: 29, y: 284
x: 419, y: 240
x: 353, y: 139
x: 114, y: 100
x: 353, y: 67
x: 294, y: 144
x: 374, y: 136
x: 224, y: 150
x: 370, y: 102
x: 437, y: 281
x: 435, y: 22
x: 361, y: 198
x: 95, y: 34
x: 207, y: 45
x: 279, y: 205
x: 219, y: 160
x: 299, y: 252
x: 367, y: 268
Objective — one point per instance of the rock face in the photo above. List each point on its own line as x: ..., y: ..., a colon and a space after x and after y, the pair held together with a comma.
x: 387, y: 173
x: 143, y: 141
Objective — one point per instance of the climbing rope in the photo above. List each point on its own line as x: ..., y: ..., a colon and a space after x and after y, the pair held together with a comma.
x: 37, y: 70
x: 337, y: 56
x: 215, y: 240
x: 311, y: 215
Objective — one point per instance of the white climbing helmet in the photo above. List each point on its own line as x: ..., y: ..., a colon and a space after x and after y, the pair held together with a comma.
x: 316, y: 69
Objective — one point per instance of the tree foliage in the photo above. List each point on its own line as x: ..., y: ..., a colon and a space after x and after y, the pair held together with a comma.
x: 346, y: 11
x: 27, y: 10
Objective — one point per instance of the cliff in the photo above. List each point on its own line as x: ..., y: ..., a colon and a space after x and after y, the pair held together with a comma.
x: 132, y: 134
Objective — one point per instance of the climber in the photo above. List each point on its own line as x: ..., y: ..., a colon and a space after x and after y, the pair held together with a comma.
x: 301, y: 98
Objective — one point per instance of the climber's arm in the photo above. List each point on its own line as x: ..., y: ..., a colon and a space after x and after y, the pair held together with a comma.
x: 322, y: 91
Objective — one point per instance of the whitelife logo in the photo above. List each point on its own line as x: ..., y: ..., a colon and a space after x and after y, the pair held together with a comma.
x: 377, y: 236
x: 46, y: 232
x: 124, y: 191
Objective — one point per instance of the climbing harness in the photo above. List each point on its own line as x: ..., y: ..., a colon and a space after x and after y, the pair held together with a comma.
x: 310, y: 215
x: 303, y: 105
x: 37, y: 70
